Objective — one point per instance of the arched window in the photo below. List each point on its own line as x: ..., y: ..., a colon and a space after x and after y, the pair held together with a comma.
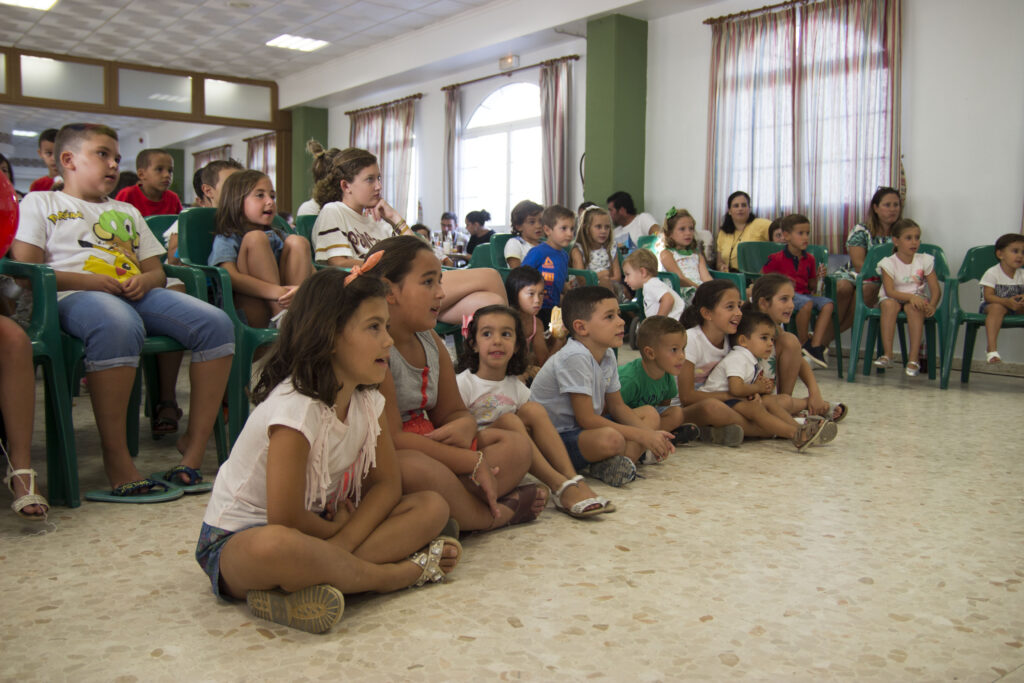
x: 500, y: 155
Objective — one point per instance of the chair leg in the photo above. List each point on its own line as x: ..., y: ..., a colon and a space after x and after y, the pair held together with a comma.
x: 61, y: 456
x: 931, y: 341
x: 856, y: 333
x: 874, y: 339
x: 970, y: 335
x: 838, y: 339
x: 947, y: 353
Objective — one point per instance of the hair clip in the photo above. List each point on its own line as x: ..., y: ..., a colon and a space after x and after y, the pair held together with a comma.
x: 466, y: 320
x: 670, y: 213
x: 366, y: 267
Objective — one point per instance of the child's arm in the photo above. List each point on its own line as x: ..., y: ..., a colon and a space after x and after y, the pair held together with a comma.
x: 67, y: 280
x: 740, y: 389
x: 382, y: 489
x: 990, y: 297
x: 615, y: 270
x: 669, y: 262
x: 342, y: 262
x: 665, y: 303
x: 935, y: 291
x: 626, y: 422
x: 539, y: 345
x: 286, y: 486
x: 253, y: 286
x: 172, y: 250
x: 815, y: 401
x: 688, y: 393
x: 454, y: 425
x: 152, y: 276
x: 576, y: 263
x: 705, y: 275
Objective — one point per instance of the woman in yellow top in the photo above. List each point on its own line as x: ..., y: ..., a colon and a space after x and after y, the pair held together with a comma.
x: 740, y: 225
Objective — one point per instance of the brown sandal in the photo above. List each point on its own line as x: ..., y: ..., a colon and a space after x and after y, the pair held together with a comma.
x: 521, y: 500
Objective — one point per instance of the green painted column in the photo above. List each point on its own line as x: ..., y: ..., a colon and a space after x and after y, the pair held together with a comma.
x: 616, y: 108
x: 307, y: 122
x: 178, y: 181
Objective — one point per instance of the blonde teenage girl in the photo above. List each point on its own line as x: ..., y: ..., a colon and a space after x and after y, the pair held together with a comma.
x: 595, y: 249
x: 354, y: 217
x: 909, y: 284
x: 310, y: 501
x: 322, y: 161
x: 683, y: 253
x: 477, y: 474
x: 265, y: 269
x: 492, y: 359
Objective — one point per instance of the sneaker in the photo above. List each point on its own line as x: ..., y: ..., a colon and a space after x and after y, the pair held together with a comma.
x: 729, y: 435
x: 685, y: 434
x: 617, y: 470
x: 815, y: 354
x: 648, y: 458
x: 313, y: 609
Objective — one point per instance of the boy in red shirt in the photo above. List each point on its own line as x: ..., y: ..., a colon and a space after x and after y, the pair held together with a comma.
x: 795, y: 263
x: 45, y: 153
x: 151, y: 196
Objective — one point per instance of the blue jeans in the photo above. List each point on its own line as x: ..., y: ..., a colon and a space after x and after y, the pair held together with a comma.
x: 800, y: 300
x: 113, y: 328
x: 571, y: 439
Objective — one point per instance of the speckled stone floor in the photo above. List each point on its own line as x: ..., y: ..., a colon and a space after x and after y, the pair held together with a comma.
x: 897, y: 553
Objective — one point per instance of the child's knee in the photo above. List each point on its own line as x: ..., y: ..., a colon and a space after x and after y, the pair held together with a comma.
x: 531, y: 411
x: 511, y: 422
x: 648, y: 415
x: 614, y: 441
x: 428, y: 505
x: 256, y: 239
x: 827, y: 309
x: 296, y: 243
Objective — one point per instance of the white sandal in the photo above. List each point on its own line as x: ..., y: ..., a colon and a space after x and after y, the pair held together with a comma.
x: 20, y: 504
x: 582, y: 508
x: 993, y: 357
x: 429, y: 560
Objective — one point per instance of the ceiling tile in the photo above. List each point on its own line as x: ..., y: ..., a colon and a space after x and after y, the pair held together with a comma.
x: 443, y: 8
x: 370, y: 11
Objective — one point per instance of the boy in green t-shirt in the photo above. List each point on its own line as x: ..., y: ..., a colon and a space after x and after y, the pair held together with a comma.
x: 650, y: 380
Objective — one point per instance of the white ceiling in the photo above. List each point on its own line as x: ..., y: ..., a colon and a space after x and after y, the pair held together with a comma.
x: 219, y: 36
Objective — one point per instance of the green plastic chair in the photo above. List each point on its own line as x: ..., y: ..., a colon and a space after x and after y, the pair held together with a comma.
x: 195, y: 238
x: 738, y: 279
x: 976, y: 262
x: 934, y: 327
x: 281, y: 224
x: 647, y: 242
x: 498, y: 243
x: 158, y: 224
x: 752, y: 256
x: 481, y: 256
x: 304, y: 226
x: 48, y: 351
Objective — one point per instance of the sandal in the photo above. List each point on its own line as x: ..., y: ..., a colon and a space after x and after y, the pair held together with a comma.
x: 23, y: 502
x: 913, y: 369
x: 993, y: 357
x: 429, y: 560
x: 580, y: 509
x: 162, y: 425
x: 883, y: 362
x: 172, y: 478
x: 521, y: 500
x: 809, y: 433
x: 313, y: 609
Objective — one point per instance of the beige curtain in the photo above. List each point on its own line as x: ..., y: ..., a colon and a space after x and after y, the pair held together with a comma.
x: 203, y: 157
x: 388, y: 132
x: 261, y: 155
x: 452, y: 124
x: 555, y: 93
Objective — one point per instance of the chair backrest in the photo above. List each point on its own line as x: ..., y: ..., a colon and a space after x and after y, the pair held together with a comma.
x: 647, y: 242
x: 976, y: 261
x: 158, y: 224
x: 498, y: 243
x: 282, y: 225
x: 752, y: 256
x: 195, y: 235
x: 819, y: 252
x: 304, y: 226
x: 672, y: 279
x: 481, y: 256
x: 879, y: 252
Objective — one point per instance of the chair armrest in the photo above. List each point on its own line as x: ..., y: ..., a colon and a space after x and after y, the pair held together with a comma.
x: 221, y: 280
x: 194, y: 281
x: 589, y: 276
x: 43, y: 282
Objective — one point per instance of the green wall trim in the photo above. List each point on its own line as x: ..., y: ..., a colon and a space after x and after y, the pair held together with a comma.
x: 616, y: 108
x: 178, y: 182
x: 307, y: 123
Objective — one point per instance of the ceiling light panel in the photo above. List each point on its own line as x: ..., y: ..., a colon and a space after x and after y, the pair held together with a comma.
x: 296, y: 43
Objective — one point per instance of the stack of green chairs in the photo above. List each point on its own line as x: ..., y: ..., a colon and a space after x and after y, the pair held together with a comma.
x: 195, y: 238
x: 934, y: 327
x: 976, y: 262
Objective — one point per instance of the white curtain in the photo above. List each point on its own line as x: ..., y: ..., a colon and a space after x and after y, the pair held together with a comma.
x: 555, y: 93
x: 452, y: 124
x: 387, y: 132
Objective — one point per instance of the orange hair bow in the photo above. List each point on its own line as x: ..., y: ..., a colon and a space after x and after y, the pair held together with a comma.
x: 366, y: 267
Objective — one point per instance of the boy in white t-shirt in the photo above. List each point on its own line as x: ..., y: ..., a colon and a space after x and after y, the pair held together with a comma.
x: 640, y: 269
x: 1002, y: 290
x: 111, y: 295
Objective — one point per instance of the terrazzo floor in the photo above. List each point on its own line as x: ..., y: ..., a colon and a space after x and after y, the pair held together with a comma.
x: 896, y: 553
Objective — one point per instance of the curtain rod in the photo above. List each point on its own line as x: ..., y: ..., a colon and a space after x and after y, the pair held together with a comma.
x: 510, y: 71
x: 417, y: 96
x: 766, y: 8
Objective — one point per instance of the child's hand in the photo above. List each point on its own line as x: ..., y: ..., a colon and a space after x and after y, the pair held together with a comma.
x: 383, y: 210
x: 105, y: 283
x: 604, y: 274
x: 917, y: 302
x: 485, y: 479
x: 816, y: 405
x: 658, y: 442
x: 928, y: 309
x: 764, y: 384
x: 286, y: 295
x: 458, y: 432
x: 822, y: 270
x: 135, y: 288
x: 756, y: 398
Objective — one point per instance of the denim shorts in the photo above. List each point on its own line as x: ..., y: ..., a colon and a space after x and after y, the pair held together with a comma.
x: 571, y: 439
x: 800, y: 300
x: 113, y: 328
x: 226, y: 247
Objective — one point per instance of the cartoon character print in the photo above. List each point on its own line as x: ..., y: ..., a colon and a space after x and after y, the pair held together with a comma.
x: 119, y: 238
x: 490, y: 407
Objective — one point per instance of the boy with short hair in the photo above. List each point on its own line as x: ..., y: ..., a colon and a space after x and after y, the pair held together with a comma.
x: 795, y: 263
x: 640, y: 269
x: 579, y: 385
x: 111, y: 294
x: 550, y: 257
x: 650, y: 380
x: 152, y: 196
x: 45, y: 152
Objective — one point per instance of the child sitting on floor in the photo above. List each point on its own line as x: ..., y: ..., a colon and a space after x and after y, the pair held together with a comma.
x: 494, y: 354
x: 579, y: 386
x: 310, y: 501
x: 1002, y: 290
x: 525, y: 289
x: 795, y: 263
x: 641, y: 270
x: 752, y: 393
x: 650, y: 380
x: 550, y: 257
x: 265, y: 269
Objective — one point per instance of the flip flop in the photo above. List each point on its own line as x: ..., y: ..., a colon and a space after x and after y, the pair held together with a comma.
x: 170, y: 479
x: 126, y: 493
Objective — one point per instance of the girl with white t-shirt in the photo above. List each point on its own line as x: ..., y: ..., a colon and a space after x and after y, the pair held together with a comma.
x: 492, y: 359
x: 527, y: 232
x: 683, y: 253
x: 1002, y: 289
x: 310, y: 501
x: 909, y: 284
x: 354, y: 217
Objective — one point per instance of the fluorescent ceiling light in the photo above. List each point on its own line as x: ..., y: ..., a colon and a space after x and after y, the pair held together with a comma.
x: 295, y: 43
x: 24, y: 133
x: 31, y: 4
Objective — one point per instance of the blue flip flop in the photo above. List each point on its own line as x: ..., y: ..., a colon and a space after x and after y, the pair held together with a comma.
x: 127, y: 493
x: 170, y: 479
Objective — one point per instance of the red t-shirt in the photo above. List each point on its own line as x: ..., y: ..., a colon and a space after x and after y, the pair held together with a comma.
x: 41, y: 184
x: 134, y: 195
x: 801, y: 271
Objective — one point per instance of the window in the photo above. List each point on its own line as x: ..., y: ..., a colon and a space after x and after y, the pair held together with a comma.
x: 261, y: 155
x: 500, y: 155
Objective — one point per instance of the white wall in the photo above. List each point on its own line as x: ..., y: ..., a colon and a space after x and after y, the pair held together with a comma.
x: 962, y: 121
x: 430, y: 120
